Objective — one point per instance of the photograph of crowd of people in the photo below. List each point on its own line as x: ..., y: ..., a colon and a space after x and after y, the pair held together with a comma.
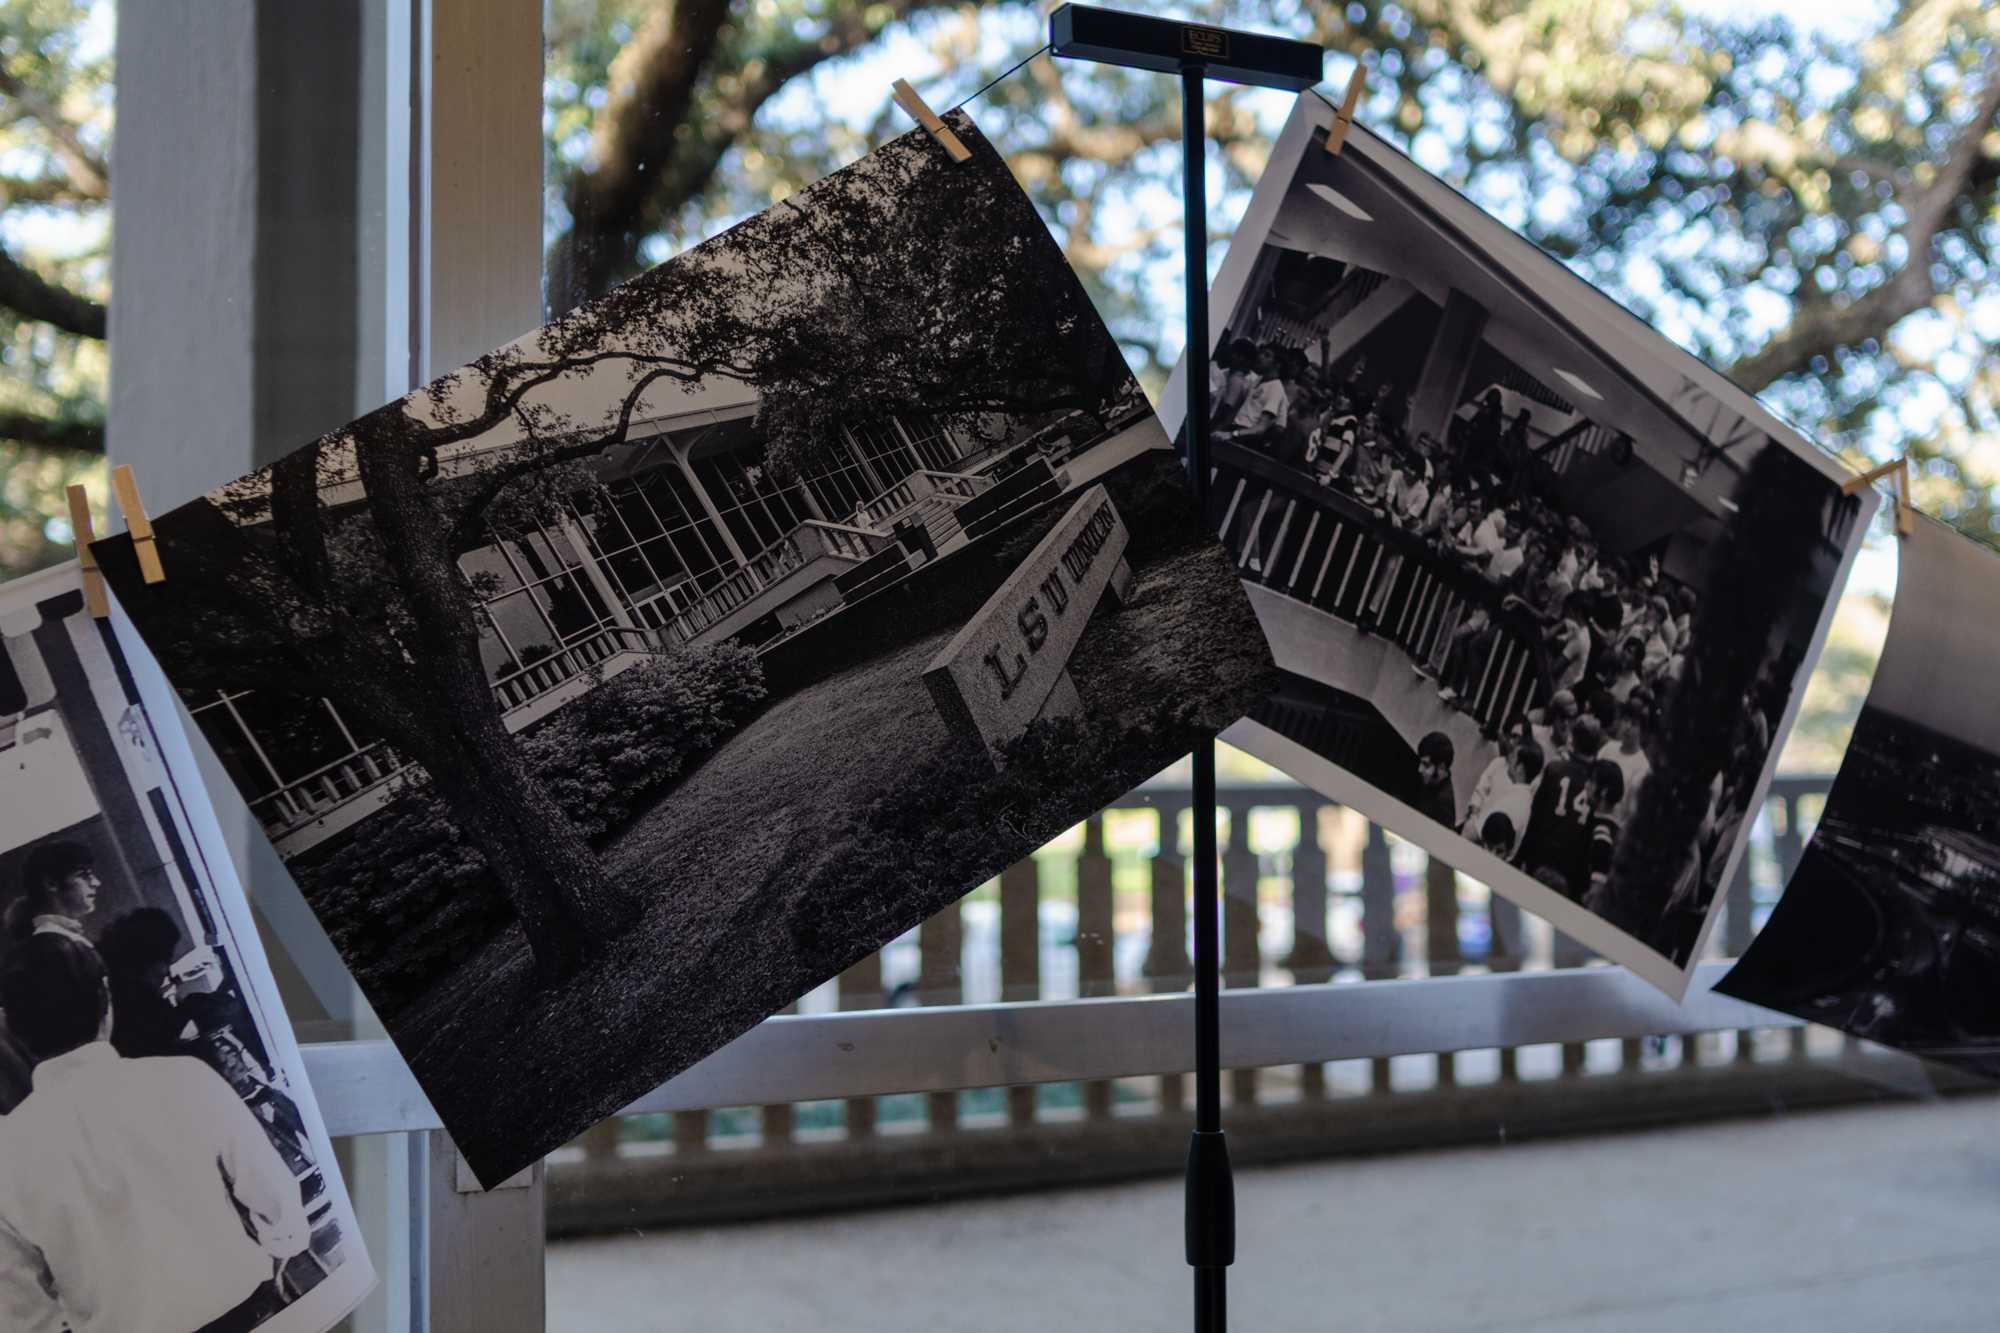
x: 1890, y: 927
x: 161, y: 1167
x: 1544, y: 588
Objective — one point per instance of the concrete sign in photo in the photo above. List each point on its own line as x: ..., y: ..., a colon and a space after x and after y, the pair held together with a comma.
x: 1010, y: 664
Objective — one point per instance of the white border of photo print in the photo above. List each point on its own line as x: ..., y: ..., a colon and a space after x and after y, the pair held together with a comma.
x: 1568, y: 372
x: 111, y: 774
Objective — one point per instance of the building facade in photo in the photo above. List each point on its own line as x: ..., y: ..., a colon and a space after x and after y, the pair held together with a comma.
x: 681, y: 535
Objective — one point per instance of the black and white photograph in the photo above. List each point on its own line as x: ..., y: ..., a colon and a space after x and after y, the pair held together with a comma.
x: 1890, y: 927
x: 163, y: 1168
x: 1544, y: 588
x: 611, y: 692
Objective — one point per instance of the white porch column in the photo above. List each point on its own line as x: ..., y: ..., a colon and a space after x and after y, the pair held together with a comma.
x: 242, y: 324
x: 479, y: 285
x: 679, y: 452
x: 614, y: 601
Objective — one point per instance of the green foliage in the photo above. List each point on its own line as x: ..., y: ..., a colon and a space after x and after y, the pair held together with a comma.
x: 1754, y: 189
x: 55, y: 90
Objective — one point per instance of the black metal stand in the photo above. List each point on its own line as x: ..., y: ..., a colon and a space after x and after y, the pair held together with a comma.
x: 1211, y: 1189
x: 1197, y: 54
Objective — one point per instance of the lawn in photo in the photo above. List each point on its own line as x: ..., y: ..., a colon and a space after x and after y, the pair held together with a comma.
x: 1890, y: 927
x: 1544, y: 588
x: 611, y: 692
x: 162, y: 1165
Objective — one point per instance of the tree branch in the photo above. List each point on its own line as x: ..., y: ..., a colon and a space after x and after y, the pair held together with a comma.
x: 1820, y: 328
x: 83, y: 437
x: 496, y: 479
x: 649, y: 159
x: 32, y: 190
x: 652, y: 84
x: 28, y: 293
x: 85, y: 169
x: 507, y: 387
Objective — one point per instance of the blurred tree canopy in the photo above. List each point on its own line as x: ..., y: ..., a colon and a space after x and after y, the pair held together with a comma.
x: 1815, y: 215
x: 1813, y: 211
x: 55, y: 133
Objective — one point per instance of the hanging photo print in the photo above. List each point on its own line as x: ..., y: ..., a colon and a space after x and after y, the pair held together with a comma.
x: 162, y: 1164
x: 1890, y: 927
x: 614, y: 690
x: 1543, y: 588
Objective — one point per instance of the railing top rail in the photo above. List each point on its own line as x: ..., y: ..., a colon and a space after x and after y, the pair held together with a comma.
x: 1167, y: 788
x: 1463, y: 580
x: 867, y: 533
x: 321, y: 771
x: 366, y: 1088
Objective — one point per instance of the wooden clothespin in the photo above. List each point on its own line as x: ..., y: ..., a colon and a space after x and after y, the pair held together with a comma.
x: 911, y: 101
x: 137, y: 524
x: 93, y: 578
x: 1343, y: 119
x: 1899, y: 472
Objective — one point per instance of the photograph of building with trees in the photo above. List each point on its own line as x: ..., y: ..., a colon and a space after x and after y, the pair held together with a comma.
x: 1890, y: 927
x: 1531, y: 579
x: 609, y: 693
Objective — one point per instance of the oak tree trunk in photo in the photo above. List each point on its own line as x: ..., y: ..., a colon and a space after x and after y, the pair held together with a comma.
x: 544, y: 865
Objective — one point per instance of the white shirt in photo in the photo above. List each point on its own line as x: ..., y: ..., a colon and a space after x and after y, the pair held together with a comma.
x: 1576, y: 655
x: 1635, y: 767
x: 1409, y: 496
x: 1498, y: 794
x: 1268, y: 397
x: 1487, y: 537
x: 128, y: 1192
x: 1503, y: 563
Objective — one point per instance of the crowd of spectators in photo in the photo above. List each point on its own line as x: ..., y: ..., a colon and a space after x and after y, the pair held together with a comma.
x: 1611, y: 632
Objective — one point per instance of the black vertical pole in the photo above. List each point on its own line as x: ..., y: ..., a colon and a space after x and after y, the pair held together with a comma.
x: 1211, y: 1199
x: 1194, y: 51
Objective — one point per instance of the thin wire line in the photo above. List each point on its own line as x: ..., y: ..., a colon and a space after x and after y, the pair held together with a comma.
x: 962, y: 104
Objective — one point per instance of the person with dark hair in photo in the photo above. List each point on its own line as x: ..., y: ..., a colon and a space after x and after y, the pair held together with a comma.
x: 1506, y: 787
x: 1304, y: 403
x: 1627, y: 749
x: 136, y: 1196
x: 1265, y: 406
x: 1332, y: 444
x: 1558, y: 836
x: 1496, y: 834
x: 139, y: 949
x: 1406, y: 499
x: 1478, y: 435
x: 157, y: 1012
x: 1607, y: 798
x: 1231, y: 377
x: 1569, y: 645
x: 1549, y: 724
x: 1434, y: 797
x: 59, y: 888
x: 1370, y: 473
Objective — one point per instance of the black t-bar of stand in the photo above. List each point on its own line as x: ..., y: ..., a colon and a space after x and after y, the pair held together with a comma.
x: 1197, y: 54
